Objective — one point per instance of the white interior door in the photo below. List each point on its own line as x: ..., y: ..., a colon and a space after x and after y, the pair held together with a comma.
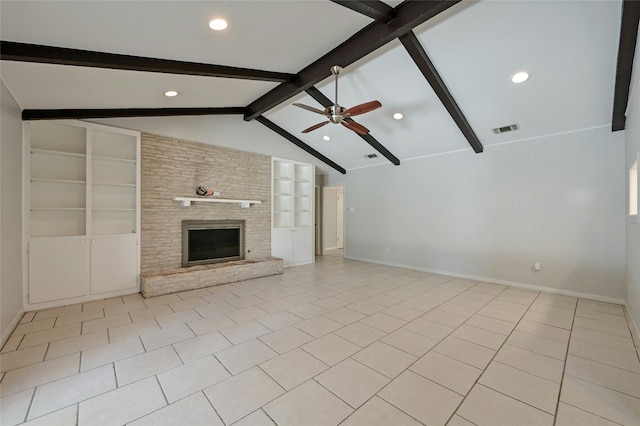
x: 340, y: 219
x: 332, y: 221
x: 318, y: 223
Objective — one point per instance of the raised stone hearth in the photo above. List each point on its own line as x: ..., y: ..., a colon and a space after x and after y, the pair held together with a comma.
x: 201, y: 276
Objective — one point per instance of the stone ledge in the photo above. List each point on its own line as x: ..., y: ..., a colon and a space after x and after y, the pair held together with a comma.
x: 200, y: 276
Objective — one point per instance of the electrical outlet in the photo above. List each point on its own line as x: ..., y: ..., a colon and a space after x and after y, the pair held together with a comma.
x: 537, y: 266
x: 388, y: 250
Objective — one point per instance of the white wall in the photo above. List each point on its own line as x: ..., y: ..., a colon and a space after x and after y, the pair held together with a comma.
x: 10, y: 214
x: 632, y: 133
x: 558, y: 200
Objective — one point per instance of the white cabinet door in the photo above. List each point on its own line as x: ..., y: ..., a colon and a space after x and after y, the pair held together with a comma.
x: 281, y: 244
x: 114, y: 263
x: 58, y: 268
x: 302, y: 245
x: 293, y: 245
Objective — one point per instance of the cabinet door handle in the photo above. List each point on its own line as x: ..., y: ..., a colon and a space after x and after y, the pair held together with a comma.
x: 82, y: 241
x: 93, y: 241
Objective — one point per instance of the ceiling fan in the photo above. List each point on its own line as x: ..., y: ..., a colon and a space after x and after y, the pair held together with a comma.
x: 337, y: 114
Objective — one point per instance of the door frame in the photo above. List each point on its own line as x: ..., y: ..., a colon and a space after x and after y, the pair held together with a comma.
x: 318, y: 221
x: 327, y: 214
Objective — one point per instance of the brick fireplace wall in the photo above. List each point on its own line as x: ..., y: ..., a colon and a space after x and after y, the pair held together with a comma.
x: 173, y: 168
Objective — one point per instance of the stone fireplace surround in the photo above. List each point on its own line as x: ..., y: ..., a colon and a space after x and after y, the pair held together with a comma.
x: 173, y: 168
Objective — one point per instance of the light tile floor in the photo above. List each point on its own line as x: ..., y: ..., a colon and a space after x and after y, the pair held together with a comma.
x: 337, y: 342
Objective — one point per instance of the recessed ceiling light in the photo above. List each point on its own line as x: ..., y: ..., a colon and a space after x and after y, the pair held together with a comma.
x: 520, y: 77
x: 398, y: 116
x: 218, y: 24
x: 170, y: 93
x: 326, y: 138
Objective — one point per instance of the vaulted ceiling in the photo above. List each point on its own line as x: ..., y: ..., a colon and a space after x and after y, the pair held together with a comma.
x: 445, y: 65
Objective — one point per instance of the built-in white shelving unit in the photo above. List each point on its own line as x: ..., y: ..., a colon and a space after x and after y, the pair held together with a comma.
x: 83, y: 211
x: 292, y: 219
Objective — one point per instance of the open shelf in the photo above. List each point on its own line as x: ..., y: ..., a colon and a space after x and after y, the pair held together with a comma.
x: 82, y: 217
x: 62, y: 193
x: 114, y: 184
x: 57, y: 153
x: 186, y: 201
x: 114, y: 159
x: 292, y: 192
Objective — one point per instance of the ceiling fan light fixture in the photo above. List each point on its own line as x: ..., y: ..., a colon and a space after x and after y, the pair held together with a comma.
x: 170, y: 93
x: 520, y: 77
x: 337, y: 114
x: 218, y: 24
x: 398, y: 116
x: 326, y: 138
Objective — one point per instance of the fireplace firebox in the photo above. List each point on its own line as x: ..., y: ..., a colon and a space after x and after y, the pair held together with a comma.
x: 212, y: 241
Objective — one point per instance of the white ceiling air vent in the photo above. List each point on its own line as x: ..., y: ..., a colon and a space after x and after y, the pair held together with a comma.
x: 370, y: 156
x: 504, y: 129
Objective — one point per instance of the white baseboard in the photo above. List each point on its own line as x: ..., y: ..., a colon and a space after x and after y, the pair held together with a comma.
x: 12, y: 326
x: 633, y: 325
x: 581, y: 295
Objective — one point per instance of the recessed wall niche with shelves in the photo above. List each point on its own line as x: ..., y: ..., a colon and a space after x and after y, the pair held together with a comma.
x: 57, y: 158
x: 83, y: 207
x: 282, y: 194
x: 114, y: 183
x: 303, y: 193
x: 293, y: 188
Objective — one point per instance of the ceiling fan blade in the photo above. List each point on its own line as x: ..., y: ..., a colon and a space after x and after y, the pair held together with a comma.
x: 358, y: 128
x: 362, y: 108
x: 310, y: 108
x: 315, y: 126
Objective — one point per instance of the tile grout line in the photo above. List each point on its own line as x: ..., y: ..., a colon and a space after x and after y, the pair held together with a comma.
x: 331, y: 366
x: 417, y: 358
x: 464, y: 397
x: 564, y: 365
x: 33, y: 396
x: 386, y: 333
x: 602, y: 363
x: 164, y: 394
x: 372, y: 396
x: 498, y: 350
x: 505, y: 343
x: 593, y: 414
x: 633, y: 330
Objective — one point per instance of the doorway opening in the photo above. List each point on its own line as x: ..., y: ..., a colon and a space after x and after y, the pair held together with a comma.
x: 333, y: 221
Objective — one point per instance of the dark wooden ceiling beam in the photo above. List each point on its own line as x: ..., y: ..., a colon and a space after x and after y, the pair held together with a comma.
x: 326, y: 102
x: 373, y: 9
x: 419, y: 56
x: 282, y: 132
x: 624, y: 67
x: 409, y: 15
x: 24, y: 52
x: 78, y: 114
